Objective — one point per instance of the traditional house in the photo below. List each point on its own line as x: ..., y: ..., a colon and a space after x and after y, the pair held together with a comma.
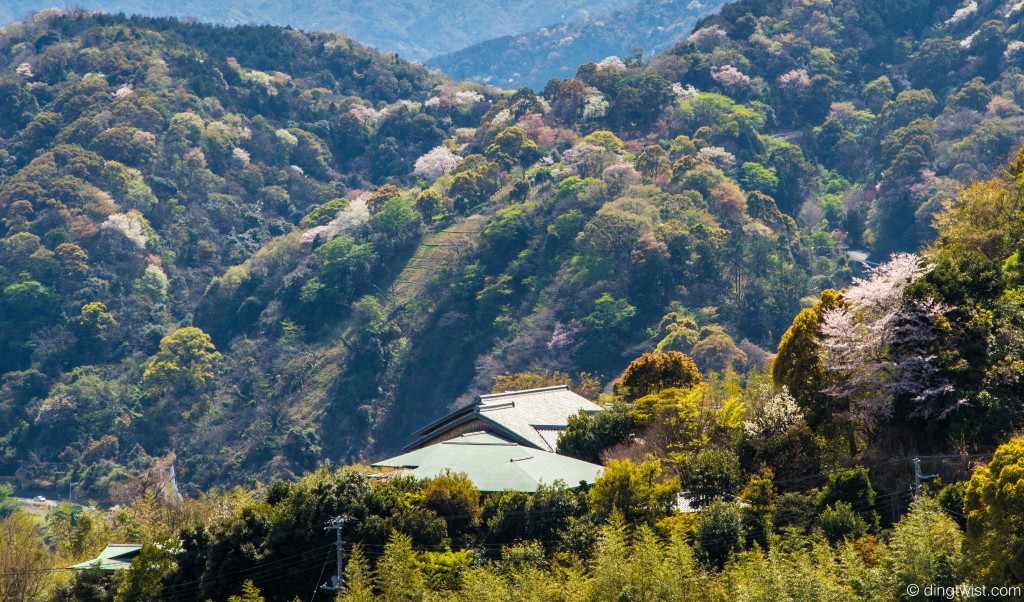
x: 492, y: 463
x: 532, y: 418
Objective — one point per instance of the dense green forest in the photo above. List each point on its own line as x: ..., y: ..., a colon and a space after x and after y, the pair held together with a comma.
x: 243, y: 251
x: 247, y: 256
x: 790, y: 494
x: 294, y: 241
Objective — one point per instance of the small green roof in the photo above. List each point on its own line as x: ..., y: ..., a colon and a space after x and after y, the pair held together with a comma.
x: 115, y: 557
x: 494, y: 464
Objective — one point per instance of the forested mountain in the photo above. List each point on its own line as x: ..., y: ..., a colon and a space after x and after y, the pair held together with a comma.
x: 212, y: 232
x: 415, y: 29
x: 904, y: 102
x: 231, y: 255
x: 256, y: 248
x: 141, y: 158
x: 556, y: 50
x: 787, y: 496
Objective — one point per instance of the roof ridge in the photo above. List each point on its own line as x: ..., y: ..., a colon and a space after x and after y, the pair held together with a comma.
x: 493, y: 406
x: 450, y: 416
x: 481, y: 398
x: 463, y: 439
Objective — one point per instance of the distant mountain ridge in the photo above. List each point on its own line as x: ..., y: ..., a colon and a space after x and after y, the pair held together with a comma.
x: 530, y: 59
x: 416, y: 29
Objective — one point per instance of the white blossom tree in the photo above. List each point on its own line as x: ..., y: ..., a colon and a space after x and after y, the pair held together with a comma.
x: 587, y: 159
x: 467, y: 97
x: 436, y: 163
x: 351, y: 218
x: 128, y: 226
x: 794, y: 81
x: 613, y: 63
x: 595, y: 106
x: 708, y: 38
x: 730, y: 77
x: 769, y: 412
x: 963, y: 12
x: 878, y: 345
x: 241, y: 155
x: 620, y: 174
x: 124, y: 91
x: 366, y: 115
x: 721, y: 158
x: 684, y: 94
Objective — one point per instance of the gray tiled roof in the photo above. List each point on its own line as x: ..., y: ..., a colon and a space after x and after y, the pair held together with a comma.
x: 534, y: 417
x: 537, y: 415
x: 550, y: 436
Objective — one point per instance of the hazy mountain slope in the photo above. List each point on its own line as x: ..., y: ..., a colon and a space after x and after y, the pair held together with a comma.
x: 416, y: 29
x: 530, y: 59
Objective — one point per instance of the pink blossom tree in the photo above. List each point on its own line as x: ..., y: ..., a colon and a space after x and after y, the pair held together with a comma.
x: 878, y: 345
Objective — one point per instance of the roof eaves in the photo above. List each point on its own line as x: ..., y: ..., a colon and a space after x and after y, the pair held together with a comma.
x: 116, y: 556
x: 446, y: 418
x: 424, y: 435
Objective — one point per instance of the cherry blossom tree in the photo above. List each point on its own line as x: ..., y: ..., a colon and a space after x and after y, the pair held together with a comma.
x: 878, y: 345
x: 436, y: 163
x: 708, y: 38
x: 612, y: 62
x: 769, y: 412
x: 722, y: 158
x: 963, y: 12
x: 730, y: 77
x: 127, y: 225
x: 794, y: 81
x: 587, y: 159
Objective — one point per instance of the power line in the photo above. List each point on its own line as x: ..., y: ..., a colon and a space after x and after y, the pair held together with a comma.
x: 189, y: 594
x: 318, y: 579
x: 260, y: 568
x: 185, y: 591
x: 877, y: 464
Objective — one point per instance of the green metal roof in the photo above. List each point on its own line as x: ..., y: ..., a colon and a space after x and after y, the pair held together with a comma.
x: 115, y: 557
x: 494, y: 464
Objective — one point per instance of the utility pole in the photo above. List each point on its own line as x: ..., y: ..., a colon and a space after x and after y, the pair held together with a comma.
x: 918, y: 477
x: 337, y: 524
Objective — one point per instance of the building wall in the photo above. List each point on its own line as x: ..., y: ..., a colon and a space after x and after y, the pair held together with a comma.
x: 462, y: 429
